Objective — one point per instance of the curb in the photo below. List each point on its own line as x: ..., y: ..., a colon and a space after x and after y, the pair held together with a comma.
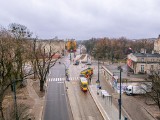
x: 149, y: 113
x: 127, y: 115
x: 102, y: 111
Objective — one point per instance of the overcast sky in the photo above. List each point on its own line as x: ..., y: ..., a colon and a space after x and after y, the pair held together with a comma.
x: 84, y: 19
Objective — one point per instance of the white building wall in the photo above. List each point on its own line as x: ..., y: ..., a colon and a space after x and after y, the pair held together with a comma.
x: 132, y: 57
x: 147, y: 67
x: 157, y: 45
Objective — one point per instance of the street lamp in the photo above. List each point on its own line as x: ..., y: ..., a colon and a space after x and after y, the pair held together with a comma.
x: 98, y: 71
x: 98, y: 81
x: 120, y: 96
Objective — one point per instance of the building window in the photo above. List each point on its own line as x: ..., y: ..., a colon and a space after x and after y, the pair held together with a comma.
x: 152, y: 60
x: 142, y: 59
x: 152, y: 67
x: 142, y: 68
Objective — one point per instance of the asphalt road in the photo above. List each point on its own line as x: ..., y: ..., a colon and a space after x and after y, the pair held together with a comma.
x: 57, y: 106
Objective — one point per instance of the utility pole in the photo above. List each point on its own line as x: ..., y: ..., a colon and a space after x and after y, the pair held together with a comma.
x: 98, y: 81
x: 98, y: 71
x: 120, y: 96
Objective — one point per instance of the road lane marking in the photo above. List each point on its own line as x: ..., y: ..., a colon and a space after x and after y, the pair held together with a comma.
x: 62, y: 79
x: 60, y: 82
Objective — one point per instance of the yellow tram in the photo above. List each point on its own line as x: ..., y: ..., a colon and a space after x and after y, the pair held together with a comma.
x: 84, y: 84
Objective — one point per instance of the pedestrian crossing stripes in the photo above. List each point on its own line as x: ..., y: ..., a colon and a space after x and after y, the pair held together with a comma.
x: 62, y: 79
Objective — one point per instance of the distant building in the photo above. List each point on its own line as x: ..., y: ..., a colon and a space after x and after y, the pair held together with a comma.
x: 55, y: 45
x: 157, y: 45
x: 145, y: 62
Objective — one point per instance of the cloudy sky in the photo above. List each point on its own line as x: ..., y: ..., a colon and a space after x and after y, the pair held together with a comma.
x: 84, y: 19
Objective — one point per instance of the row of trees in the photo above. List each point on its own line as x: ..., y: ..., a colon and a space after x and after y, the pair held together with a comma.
x: 18, y: 49
x: 115, y: 49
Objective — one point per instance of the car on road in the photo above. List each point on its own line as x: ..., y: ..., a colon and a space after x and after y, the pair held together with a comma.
x: 76, y: 63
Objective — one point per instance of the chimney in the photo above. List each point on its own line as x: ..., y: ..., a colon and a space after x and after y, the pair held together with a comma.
x: 143, y: 50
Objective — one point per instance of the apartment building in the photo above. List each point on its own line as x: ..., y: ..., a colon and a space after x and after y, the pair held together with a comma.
x: 145, y: 62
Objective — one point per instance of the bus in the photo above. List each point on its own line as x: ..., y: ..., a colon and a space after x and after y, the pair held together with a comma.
x: 84, y: 84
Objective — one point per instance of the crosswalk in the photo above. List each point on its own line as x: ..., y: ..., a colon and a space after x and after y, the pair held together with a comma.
x: 62, y: 79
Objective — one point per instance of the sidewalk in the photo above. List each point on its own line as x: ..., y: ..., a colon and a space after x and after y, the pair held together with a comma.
x: 38, y: 102
x: 108, y: 106
x: 107, y: 109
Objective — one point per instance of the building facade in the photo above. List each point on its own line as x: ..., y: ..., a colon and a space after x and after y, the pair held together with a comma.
x: 157, y: 45
x: 144, y: 62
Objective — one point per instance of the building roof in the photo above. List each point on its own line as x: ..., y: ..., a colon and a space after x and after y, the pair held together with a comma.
x: 146, y: 55
x: 113, y: 68
x: 56, y: 56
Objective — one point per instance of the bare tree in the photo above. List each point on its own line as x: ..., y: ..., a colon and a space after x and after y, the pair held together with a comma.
x: 155, y: 93
x: 115, y: 48
x: 12, y: 61
x: 43, y: 60
x: 19, y: 31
